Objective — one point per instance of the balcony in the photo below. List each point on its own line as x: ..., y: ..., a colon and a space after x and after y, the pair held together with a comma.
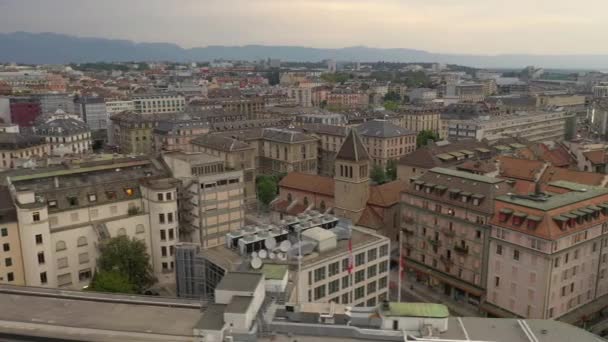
x: 461, y: 249
x: 434, y: 243
x: 134, y: 211
x: 408, y: 231
x: 448, y: 262
x: 408, y: 220
x: 448, y: 232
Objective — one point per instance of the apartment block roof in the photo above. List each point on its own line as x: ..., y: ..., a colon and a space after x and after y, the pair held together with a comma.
x: 309, y: 183
x: 440, y: 153
x: 15, y: 141
x: 555, y: 201
x: 382, y: 129
x: 220, y: 142
x: 240, y: 281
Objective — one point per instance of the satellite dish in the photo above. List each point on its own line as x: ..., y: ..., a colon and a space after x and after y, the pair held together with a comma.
x: 263, y: 254
x: 285, y: 246
x: 271, y: 255
x: 270, y: 243
x: 254, y: 254
x: 256, y: 263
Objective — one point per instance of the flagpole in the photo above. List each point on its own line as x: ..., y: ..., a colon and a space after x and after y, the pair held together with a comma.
x: 400, y: 266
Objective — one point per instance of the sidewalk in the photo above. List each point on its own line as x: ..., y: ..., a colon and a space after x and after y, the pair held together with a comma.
x: 423, y: 293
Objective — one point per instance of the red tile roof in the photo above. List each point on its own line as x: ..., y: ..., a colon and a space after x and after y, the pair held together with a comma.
x: 310, y: 183
x: 510, y: 167
x: 553, y: 173
x: 387, y: 194
x: 596, y: 157
x: 370, y: 219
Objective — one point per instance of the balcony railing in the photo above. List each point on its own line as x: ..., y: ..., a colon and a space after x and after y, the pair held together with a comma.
x: 446, y: 261
x: 434, y: 243
x: 448, y: 232
x: 461, y: 249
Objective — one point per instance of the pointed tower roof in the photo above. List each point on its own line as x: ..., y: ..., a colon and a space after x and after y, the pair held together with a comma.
x: 353, y: 148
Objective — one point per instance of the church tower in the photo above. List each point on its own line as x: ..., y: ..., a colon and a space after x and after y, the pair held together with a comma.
x: 351, y: 178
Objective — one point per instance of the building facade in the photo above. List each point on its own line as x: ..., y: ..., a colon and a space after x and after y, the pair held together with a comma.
x: 93, y: 111
x: 159, y: 103
x: 65, y: 134
x: 386, y: 141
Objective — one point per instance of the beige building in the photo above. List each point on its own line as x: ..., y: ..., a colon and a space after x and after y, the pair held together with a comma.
x: 132, y: 133
x: 548, y: 255
x: 445, y: 223
x: 175, y: 135
x: 16, y: 149
x: 66, y: 134
x: 283, y: 150
x: 212, y: 197
x: 421, y: 119
x: 159, y: 103
x: 301, y: 95
x: 236, y: 155
x: 386, y: 141
x: 65, y: 213
x: 11, y: 261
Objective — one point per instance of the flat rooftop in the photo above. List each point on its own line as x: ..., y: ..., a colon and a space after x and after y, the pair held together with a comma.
x: 579, y: 193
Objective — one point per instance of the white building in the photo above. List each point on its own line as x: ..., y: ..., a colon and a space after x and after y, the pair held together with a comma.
x: 301, y: 95
x: 117, y: 106
x: 65, y: 134
x: 159, y: 103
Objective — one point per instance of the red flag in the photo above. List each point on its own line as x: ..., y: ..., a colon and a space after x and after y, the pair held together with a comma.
x: 351, y: 263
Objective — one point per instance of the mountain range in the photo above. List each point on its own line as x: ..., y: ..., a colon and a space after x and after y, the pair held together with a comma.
x: 52, y: 48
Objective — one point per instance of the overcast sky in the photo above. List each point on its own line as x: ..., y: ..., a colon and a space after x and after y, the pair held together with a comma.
x: 463, y: 26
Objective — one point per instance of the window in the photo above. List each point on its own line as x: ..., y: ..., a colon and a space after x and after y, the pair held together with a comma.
x: 82, y: 241
x: 359, y: 292
x: 129, y: 192
x: 163, y: 251
x: 4, y: 232
x: 10, y: 276
x: 499, y: 249
x: 40, y: 258
x: 64, y: 279
x: 170, y: 217
x: 515, y: 254
x: 382, y: 283
x: 333, y: 286
x: 372, y: 271
x: 161, y: 218
x: 43, y: 279
x: 113, y: 209
x: 8, y: 262
x: 333, y: 269
x: 73, y: 201
x: 345, y: 298
x: 359, y: 259
x: 319, y: 273
x: 83, y: 258
x: 345, y: 281
x: 62, y: 262
x: 52, y: 204
x: 169, y: 195
x: 94, y: 213
x: 163, y: 235
x: 359, y: 276
x: 74, y: 217
x: 36, y: 216
x: 319, y: 292
x: 372, y: 254
x: 84, y: 275
x: 371, y: 287
x: 121, y: 232
x: 6, y: 247
x: 92, y: 198
x: 171, y: 236
x: 383, y: 267
x: 60, y: 246
x: 345, y: 263
x: 497, y: 281
x: 160, y: 196
x: 383, y: 250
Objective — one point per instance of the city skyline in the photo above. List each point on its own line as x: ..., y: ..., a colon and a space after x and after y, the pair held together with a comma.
x: 438, y: 27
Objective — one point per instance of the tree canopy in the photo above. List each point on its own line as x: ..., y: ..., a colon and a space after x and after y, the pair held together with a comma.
x: 267, y: 187
x: 129, y: 258
x: 392, y: 96
x: 111, y: 281
x: 391, y: 105
x: 424, y: 136
x: 378, y: 175
x: 391, y: 170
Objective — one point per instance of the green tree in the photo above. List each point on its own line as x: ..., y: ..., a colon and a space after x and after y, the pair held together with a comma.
x: 111, y: 281
x: 392, y: 96
x: 391, y: 105
x: 391, y: 170
x: 129, y: 258
x: 424, y: 136
x: 266, y: 188
x: 378, y: 175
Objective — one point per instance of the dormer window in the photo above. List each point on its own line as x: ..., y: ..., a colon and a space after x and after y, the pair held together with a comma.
x: 561, y: 221
x: 533, y: 222
x: 429, y: 187
x: 504, y: 214
x: 52, y: 204
x: 464, y: 196
x: 477, y: 199
x: 111, y: 195
x: 73, y: 200
x: 454, y: 193
x: 419, y: 185
x: 92, y: 198
x: 518, y: 218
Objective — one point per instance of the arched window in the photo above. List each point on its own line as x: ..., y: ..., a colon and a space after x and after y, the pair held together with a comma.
x: 121, y: 232
x: 82, y: 241
x: 305, y: 201
x: 139, y: 229
x: 322, y: 206
x: 60, y: 246
x: 289, y: 197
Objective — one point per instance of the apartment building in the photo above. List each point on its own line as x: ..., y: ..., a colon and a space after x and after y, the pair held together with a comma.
x: 65, y: 134
x: 51, y: 102
x: 11, y: 261
x: 212, y: 197
x: 236, y: 155
x: 117, y: 106
x: 301, y: 95
x: 175, y: 135
x: 64, y: 213
x: 445, y: 222
x: 16, y: 149
x: 548, y: 253
x: 329, y: 140
x: 386, y: 141
x: 347, y: 99
x: 540, y: 126
x: 421, y: 119
x: 421, y: 95
x: 132, y: 133
x: 159, y: 103
x: 465, y: 92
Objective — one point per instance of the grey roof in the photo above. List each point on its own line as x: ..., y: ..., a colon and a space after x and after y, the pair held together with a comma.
x: 11, y: 141
x: 382, y: 129
x: 173, y: 126
x: 61, y: 126
x: 220, y: 142
x: 213, y: 318
x: 285, y: 135
x: 239, y: 304
x: 426, y: 157
x: 340, y: 131
x: 353, y: 148
x: 240, y: 281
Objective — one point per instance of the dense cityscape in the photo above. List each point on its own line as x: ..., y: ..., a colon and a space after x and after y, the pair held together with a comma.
x: 293, y: 200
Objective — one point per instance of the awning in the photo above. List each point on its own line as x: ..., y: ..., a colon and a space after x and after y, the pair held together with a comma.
x: 456, y: 154
x: 418, y: 182
x: 603, y: 205
x: 570, y: 216
x: 467, y: 152
x: 441, y: 187
x: 445, y: 156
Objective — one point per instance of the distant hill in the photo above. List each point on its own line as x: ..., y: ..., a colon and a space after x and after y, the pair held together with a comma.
x: 51, y: 48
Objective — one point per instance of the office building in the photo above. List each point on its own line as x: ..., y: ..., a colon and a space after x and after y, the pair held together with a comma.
x: 117, y: 106
x: 386, y: 142
x: 159, y: 103
x: 93, y: 111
